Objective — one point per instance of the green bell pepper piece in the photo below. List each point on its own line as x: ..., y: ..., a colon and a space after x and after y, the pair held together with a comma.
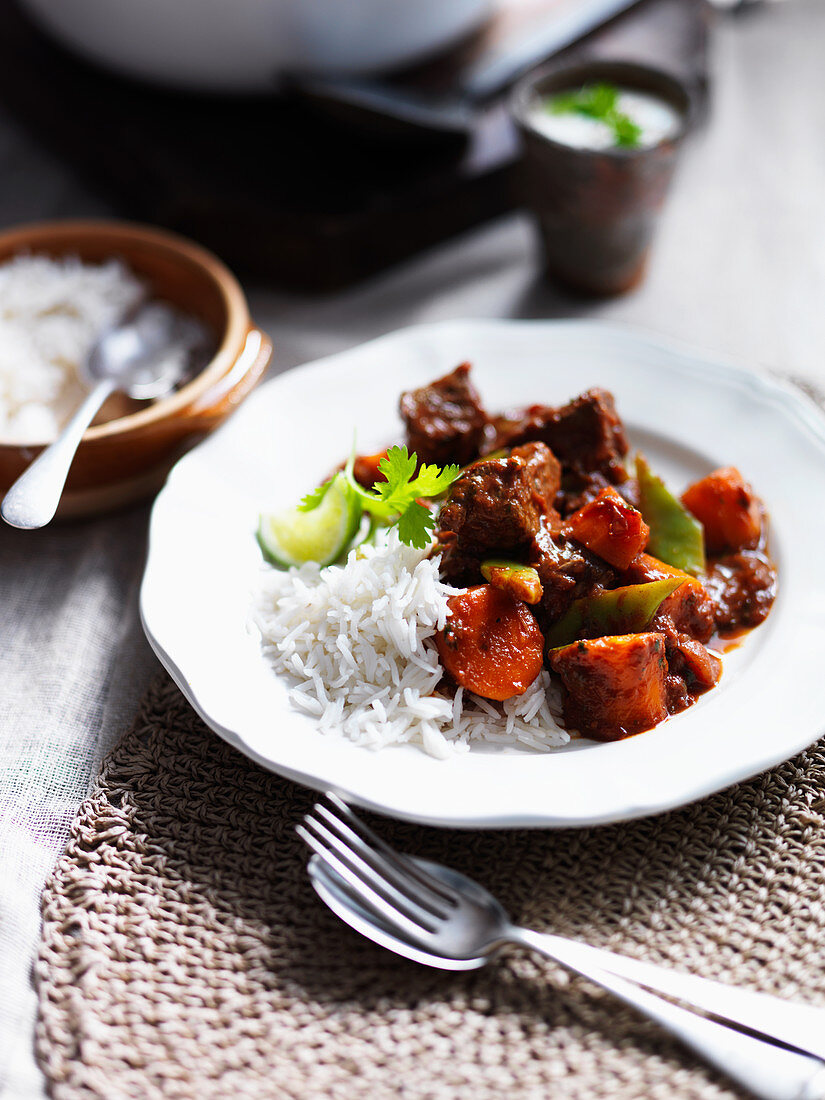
x: 627, y: 610
x: 676, y: 537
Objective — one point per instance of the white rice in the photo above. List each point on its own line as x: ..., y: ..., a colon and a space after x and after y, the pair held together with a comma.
x: 51, y: 312
x: 357, y: 643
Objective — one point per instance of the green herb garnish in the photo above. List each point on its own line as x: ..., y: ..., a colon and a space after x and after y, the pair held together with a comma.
x: 395, y: 500
x: 599, y: 101
x: 313, y: 500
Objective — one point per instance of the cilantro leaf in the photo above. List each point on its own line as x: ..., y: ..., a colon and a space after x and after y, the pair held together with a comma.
x: 432, y: 482
x: 395, y: 500
x: 398, y: 469
x: 402, y: 488
x: 602, y: 99
x: 600, y: 102
x: 565, y: 103
x: 415, y: 526
x: 626, y: 130
x: 311, y: 501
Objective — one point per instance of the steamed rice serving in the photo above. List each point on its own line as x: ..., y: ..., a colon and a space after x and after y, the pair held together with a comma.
x: 357, y: 642
x: 51, y: 312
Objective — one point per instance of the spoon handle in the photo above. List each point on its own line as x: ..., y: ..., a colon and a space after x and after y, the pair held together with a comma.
x: 767, y: 1071
x: 32, y: 501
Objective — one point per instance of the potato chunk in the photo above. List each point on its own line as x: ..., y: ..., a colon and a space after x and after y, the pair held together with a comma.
x: 727, y: 508
x: 613, y: 686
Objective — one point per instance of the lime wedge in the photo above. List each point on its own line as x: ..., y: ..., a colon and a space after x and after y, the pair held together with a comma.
x: 293, y: 537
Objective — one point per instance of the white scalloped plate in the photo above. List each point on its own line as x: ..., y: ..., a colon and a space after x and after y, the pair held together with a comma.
x: 689, y: 414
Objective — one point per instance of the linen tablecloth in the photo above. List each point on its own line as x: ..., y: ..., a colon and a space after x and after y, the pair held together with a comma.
x: 739, y: 268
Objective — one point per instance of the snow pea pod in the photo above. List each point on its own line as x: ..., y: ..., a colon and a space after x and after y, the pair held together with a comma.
x: 627, y: 610
x: 676, y: 537
x: 521, y: 581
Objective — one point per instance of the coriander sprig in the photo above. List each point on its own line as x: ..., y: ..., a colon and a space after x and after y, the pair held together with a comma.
x: 396, y: 499
x: 599, y: 101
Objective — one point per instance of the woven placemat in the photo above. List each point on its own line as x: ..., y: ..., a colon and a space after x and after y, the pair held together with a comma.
x: 184, y: 953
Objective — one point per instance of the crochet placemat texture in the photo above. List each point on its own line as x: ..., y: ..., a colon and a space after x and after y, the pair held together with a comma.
x: 184, y: 953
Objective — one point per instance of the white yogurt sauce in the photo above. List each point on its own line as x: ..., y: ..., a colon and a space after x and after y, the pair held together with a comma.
x: 656, y: 118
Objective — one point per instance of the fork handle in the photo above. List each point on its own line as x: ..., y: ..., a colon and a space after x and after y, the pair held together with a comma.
x: 769, y: 1072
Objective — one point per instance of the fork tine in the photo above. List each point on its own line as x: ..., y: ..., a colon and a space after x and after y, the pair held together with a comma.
x: 439, y: 890
x: 354, y: 870
x: 367, y: 897
x: 388, y: 866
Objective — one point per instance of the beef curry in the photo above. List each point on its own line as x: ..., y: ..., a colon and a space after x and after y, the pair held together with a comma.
x: 569, y: 560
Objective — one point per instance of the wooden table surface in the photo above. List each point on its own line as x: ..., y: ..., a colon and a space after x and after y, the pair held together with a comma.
x: 738, y: 269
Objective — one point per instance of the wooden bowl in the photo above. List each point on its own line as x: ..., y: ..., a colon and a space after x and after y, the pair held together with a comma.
x: 128, y: 455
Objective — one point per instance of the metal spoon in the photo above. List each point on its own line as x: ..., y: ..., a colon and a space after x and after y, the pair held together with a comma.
x: 132, y: 358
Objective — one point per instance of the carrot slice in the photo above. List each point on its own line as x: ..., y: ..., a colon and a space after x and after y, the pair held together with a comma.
x: 491, y: 644
x: 365, y: 469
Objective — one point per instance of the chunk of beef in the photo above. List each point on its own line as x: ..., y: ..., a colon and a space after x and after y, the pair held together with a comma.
x: 445, y: 420
x: 742, y: 587
x: 566, y: 570
x: 542, y: 473
x: 586, y: 436
x: 579, y: 489
x: 692, y: 669
x: 698, y: 667
x: 495, y: 509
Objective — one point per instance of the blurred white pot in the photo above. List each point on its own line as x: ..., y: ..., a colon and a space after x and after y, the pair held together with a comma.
x: 246, y: 45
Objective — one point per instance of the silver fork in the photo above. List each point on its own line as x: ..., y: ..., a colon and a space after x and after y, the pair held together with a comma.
x: 439, y: 917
